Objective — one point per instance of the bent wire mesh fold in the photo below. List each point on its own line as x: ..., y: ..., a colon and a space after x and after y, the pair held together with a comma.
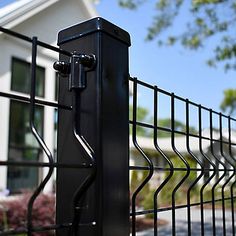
x: 192, y: 186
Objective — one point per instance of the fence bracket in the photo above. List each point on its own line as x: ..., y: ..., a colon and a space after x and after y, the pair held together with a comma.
x: 77, y: 68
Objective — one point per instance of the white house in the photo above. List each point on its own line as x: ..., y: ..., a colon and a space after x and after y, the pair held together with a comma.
x: 180, y: 144
x: 44, y: 19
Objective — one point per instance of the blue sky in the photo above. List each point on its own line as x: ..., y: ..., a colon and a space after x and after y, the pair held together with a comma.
x: 174, y: 69
x: 5, y: 2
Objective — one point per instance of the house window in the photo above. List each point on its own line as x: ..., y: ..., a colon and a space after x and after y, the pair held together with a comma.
x: 23, y: 146
x: 21, y: 73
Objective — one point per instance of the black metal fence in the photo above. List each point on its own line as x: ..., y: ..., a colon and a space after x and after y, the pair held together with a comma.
x: 196, y: 164
x: 176, y: 173
x: 20, y: 215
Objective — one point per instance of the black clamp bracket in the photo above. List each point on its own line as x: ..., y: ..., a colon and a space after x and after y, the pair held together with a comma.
x: 77, y: 68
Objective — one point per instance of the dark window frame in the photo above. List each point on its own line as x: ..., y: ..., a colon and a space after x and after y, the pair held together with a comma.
x: 15, y: 146
x: 20, y: 60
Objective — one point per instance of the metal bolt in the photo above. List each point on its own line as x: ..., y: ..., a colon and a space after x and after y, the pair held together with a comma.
x: 62, y: 67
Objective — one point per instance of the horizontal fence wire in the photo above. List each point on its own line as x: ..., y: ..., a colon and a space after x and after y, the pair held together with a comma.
x: 34, y: 197
x: 186, y: 163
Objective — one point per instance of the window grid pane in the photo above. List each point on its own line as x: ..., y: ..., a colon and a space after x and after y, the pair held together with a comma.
x: 20, y: 81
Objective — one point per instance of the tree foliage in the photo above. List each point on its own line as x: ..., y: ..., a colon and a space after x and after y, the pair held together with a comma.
x: 207, y: 19
x: 229, y: 102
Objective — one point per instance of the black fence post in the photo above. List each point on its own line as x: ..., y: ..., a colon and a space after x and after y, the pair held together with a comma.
x: 98, y: 122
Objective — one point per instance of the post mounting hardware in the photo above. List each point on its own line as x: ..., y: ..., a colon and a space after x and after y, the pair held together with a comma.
x: 76, y: 69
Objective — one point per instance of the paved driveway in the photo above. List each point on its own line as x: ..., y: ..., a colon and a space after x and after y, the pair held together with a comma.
x: 181, y: 223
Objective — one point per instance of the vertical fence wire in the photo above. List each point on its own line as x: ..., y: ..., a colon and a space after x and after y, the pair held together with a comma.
x: 181, y: 158
x: 227, y: 180
x: 212, y: 165
x: 90, y: 158
x: 165, y: 157
x: 218, y: 160
x: 198, y: 161
x: 38, y: 138
x: 144, y: 156
x: 233, y: 175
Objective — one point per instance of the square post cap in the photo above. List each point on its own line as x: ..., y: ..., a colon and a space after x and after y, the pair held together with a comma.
x: 94, y: 25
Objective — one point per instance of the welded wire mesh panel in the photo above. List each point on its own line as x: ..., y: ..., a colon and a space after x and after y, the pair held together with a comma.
x: 28, y: 163
x: 182, y: 165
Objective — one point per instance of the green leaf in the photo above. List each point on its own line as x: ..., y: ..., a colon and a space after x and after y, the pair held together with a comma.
x: 199, y: 2
x: 162, y: 4
x: 229, y: 102
x: 200, y: 21
x: 211, y: 63
x: 171, y: 40
x: 193, y: 42
x: 127, y: 4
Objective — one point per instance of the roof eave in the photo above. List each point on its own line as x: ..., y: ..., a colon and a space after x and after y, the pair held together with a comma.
x: 30, y: 9
x: 25, y: 12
